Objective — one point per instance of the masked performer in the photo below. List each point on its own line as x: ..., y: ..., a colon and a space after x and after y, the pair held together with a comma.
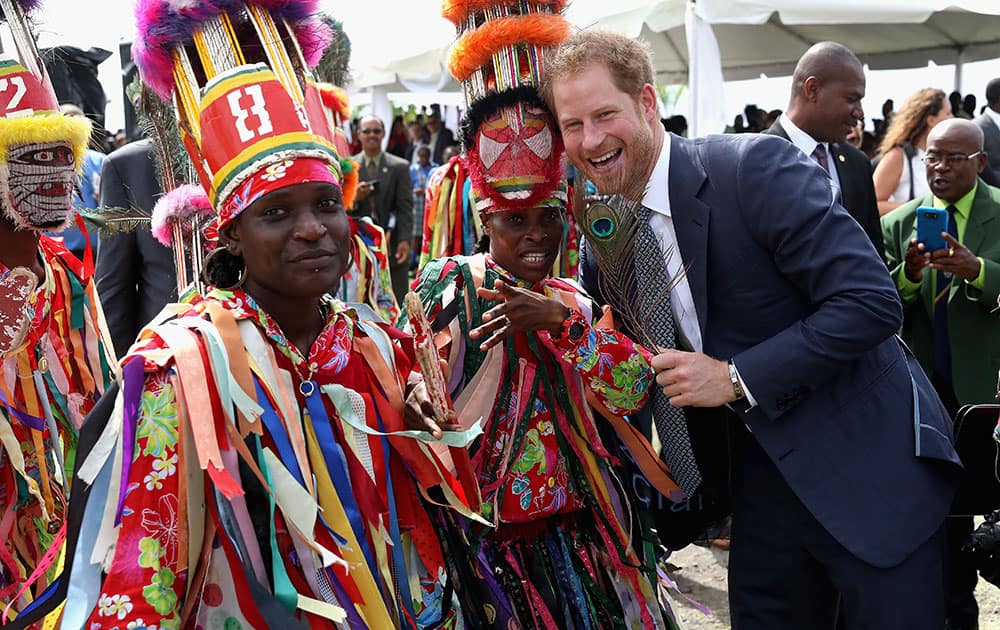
x: 250, y: 475
x: 452, y: 211
x: 55, y: 364
x: 527, y: 354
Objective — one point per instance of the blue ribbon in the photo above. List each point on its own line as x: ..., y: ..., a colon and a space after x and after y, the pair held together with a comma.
x: 336, y: 464
x: 400, y: 572
x: 276, y: 431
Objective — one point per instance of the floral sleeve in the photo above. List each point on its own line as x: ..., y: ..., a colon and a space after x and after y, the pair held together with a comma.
x: 142, y: 588
x: 615, y: 368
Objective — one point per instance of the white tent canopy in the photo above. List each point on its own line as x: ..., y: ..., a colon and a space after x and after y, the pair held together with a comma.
x: 768, y: 37
x: 754, y: 37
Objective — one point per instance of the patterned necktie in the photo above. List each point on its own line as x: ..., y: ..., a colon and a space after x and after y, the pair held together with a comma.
x: 820, y: 155
x: 942, y: 289
x: 652, y: 279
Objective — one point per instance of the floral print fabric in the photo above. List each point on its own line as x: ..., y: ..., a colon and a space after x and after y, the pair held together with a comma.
x: 155, y: 579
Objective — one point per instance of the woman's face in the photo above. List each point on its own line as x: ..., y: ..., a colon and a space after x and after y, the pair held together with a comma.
x: 526, y: 242
x: 295, y: 241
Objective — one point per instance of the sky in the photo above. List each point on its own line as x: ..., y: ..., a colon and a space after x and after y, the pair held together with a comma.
x: 105, y: 23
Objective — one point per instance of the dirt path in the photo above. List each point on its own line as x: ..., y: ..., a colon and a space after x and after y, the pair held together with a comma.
x: 701, y: 576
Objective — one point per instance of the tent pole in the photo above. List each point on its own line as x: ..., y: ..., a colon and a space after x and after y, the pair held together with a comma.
x: 959, y: 62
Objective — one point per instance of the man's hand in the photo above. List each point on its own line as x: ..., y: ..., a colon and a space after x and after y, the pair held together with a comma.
x: 419, y: 412
x: 956, y: 259
x: 521, y: 310
x: 916, y: 260
x: 363, y: 190
x: 402, y: 251
x: 693, y: 379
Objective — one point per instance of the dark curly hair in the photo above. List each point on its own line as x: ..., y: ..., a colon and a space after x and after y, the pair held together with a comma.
x: 483, y: 245
x: 222, y: 269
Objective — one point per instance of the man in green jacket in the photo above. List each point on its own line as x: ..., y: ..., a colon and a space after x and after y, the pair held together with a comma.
x: 950, y: 300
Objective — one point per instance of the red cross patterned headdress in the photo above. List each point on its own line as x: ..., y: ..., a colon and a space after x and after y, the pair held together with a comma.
x: 513, y: 150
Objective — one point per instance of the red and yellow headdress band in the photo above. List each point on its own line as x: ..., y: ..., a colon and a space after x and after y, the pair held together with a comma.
x: 29, y: 111
x: 239, y: 76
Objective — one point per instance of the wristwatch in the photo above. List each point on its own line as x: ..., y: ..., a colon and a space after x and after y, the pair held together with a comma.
x: 573, y: 327
x: 734, y: 376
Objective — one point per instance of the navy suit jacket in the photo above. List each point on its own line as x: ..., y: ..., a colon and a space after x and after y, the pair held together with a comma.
x: 787, y: 284
x: 857, y: 188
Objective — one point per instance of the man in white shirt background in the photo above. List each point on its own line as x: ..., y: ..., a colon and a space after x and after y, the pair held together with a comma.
x: 989, y: 122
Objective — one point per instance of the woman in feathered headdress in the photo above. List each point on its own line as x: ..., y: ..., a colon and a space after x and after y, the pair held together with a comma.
x: 534, y: 357
x: 252, y: 473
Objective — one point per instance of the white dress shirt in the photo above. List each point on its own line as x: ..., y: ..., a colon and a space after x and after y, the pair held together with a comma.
x: 661, y: 221
x: 657, y: 199
x: 807, y: 145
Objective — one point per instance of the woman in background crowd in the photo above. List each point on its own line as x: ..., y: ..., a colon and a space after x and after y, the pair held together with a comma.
x: 899, y: 174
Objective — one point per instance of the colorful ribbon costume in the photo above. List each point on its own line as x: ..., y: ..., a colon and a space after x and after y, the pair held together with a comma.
x: 240, y: 483
x: 560, y: 554
x: 53, y: 340
x: 250, y: 483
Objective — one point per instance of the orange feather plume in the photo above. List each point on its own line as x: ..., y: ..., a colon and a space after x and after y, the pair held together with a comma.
x: 336, y: 99
x: 476, y: 48
x: 350, y: 186
x: 456, y: 11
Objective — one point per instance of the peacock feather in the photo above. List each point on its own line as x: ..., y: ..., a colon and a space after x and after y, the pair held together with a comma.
x: 111, y: 221
x: 158, y: 121
x: 610, y: 223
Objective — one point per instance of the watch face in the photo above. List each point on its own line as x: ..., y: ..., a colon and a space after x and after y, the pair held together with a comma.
x: 575, y: 331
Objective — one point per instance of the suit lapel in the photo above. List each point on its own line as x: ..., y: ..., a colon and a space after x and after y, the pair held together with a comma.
x: 777, y: 130
x: 690, y: 217
x: 975, y: 226
x: 847, y: 183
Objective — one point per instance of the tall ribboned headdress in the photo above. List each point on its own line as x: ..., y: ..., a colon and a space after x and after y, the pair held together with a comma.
x: 513, y: 151
x: 40, y: 148
x: 238, y: 72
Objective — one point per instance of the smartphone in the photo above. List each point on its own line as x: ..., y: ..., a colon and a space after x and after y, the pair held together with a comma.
x: 930, y: 223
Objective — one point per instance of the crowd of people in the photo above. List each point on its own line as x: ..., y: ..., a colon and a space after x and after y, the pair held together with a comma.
x: 411, y: 377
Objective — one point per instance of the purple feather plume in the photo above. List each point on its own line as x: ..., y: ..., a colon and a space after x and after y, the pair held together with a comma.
x: 164, y: 24
x: 27, y: 6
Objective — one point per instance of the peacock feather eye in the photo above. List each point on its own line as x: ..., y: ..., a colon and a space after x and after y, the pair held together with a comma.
x: 603, y: 227
x: 601, y: 220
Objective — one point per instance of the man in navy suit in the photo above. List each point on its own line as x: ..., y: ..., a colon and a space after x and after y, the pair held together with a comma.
x: 844, y: 467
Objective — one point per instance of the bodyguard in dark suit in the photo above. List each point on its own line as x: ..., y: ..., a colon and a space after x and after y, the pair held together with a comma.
x: 135, y: 273
x: 384, y: 194
x: 845, y: 469
x: 817, y: 122
x: 989, y: 122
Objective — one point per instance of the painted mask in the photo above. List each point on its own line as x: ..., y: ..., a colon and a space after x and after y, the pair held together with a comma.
x: 37, y: 185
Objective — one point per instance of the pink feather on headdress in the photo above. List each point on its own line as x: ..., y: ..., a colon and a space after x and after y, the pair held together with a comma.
x: 180, y: 204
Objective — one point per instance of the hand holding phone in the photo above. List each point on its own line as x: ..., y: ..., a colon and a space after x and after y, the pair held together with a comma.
x: 931, y: 222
